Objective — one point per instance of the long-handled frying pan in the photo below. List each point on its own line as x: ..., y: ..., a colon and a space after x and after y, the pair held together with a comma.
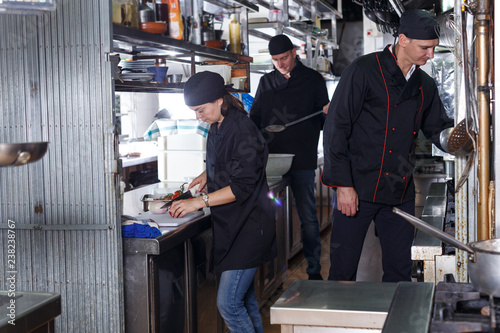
x: 484, y: 256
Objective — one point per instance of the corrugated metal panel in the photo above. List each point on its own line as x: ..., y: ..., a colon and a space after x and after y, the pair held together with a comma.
x: 55, y: 85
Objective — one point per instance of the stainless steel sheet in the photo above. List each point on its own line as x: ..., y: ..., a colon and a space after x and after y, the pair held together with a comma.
x: 334, y: 304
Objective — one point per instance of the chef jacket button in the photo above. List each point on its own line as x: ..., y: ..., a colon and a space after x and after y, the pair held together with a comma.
x: 414, y: 133
x: 404, y: 177
x: 393, y: 129
x: 395, y: 105
x: 387, y: 174
x: 390, y: 151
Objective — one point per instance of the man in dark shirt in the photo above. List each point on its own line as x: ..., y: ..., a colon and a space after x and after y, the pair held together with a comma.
x: 381, y: 102
x: 288, y: 93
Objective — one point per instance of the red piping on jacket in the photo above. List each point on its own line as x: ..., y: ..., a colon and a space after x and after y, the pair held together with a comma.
x: 321, y: 180
x: 414, y: 130
x: 386, y: 126
x: 393, y: 55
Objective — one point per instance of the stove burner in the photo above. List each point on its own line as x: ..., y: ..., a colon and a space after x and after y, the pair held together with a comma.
x: 459, y: 308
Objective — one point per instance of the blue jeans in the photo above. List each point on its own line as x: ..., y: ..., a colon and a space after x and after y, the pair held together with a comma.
x: 237, y: 303
x: 303, y: 192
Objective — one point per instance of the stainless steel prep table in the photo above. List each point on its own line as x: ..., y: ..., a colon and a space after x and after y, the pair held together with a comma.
x: 165, y: 277
x: 341, y: 306
x: 32, y: 310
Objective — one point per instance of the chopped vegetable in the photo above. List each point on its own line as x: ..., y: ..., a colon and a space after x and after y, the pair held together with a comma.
x: 171, y: 196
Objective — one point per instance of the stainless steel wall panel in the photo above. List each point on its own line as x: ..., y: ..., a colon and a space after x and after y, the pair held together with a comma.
x: 55, y: 85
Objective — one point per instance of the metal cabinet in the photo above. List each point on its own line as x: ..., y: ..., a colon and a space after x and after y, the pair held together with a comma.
x: 272, y: 274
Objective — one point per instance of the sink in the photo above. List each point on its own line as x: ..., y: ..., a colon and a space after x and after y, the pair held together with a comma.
x: 278, y: 165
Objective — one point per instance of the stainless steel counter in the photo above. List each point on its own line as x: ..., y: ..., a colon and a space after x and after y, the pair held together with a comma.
x: 332, y: 304
x: 30, y: 311
x: 164, y: 275
x: 411, y: 308
x: 339, y: 306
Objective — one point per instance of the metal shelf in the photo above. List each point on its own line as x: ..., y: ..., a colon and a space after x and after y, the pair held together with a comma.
x: 142, y: 45
x: 133, y: 41
x: 232, y: 4
x: 289, y: 30
x: 139, y: 86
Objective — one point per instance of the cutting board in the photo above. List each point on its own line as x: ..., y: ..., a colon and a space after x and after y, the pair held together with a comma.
x: 165, y: 220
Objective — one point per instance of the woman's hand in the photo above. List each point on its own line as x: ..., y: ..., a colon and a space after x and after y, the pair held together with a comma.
x: 201, y: 180
x: 180, y: 208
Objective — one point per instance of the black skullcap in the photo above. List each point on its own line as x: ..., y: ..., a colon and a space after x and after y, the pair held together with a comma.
x: 419, y: 24
x: 203, y: 87
x: 279, y: 44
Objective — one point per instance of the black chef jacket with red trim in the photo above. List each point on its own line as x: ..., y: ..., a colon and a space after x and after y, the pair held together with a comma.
x: 279, y: 101
x: 372, y: 125
x: 244, y: 231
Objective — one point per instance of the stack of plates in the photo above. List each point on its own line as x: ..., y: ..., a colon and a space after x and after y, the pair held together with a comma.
x: 136, y: 70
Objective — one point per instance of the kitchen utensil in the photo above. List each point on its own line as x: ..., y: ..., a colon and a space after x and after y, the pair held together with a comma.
x: 459, y: 140
x: 137, y: 76
x: 239, y: 82
x: 174, y: 78
x: 159, y: 73
x: 185, y: 195
x: 281, y: 128
x: 14, y: 154
x: 278, y: 164
x: 216, y: 44
x: 218, y: 34
x: 154, y: 27
x: 483, y: 259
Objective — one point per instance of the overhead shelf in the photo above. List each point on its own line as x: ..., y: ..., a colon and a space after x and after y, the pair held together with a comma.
x: 232, y: 4
x: 135, y: 42
x: 134, y: 86
x: 253, y: 29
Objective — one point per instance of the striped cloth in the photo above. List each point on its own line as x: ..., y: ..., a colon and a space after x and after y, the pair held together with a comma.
x: 163, y: 127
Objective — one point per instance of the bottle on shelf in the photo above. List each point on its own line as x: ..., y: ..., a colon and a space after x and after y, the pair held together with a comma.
x: 129, y: 9
x: 275, y: 14
x: 176, y: 26
x: 322, y: 61
x: 116, y: 7
x: 234, y: 35
x: 161, y: 7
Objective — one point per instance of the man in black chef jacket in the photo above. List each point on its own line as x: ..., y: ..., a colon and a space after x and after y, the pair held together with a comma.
x: 288, y: 93
x: 381, y: 102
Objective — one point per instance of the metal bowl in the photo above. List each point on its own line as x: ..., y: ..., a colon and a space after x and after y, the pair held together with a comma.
x: 13, y: 154
x: 278, y: 165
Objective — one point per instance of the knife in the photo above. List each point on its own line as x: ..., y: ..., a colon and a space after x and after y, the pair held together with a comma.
x: 185, y: 195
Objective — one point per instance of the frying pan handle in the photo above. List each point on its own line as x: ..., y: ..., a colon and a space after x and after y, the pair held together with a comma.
x: 433, y: 231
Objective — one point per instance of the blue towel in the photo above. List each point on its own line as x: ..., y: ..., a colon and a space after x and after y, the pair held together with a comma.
x: 139, y: 229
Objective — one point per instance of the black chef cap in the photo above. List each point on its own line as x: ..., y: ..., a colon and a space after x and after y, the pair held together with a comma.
x: 203, y: 87
x: 419, y: 24
x: 279, y: 44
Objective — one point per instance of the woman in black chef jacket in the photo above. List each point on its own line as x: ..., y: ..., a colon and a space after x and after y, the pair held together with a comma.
x: 236, y: 186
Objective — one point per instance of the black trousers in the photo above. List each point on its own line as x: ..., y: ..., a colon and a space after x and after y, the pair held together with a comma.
x: 395, y: 235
